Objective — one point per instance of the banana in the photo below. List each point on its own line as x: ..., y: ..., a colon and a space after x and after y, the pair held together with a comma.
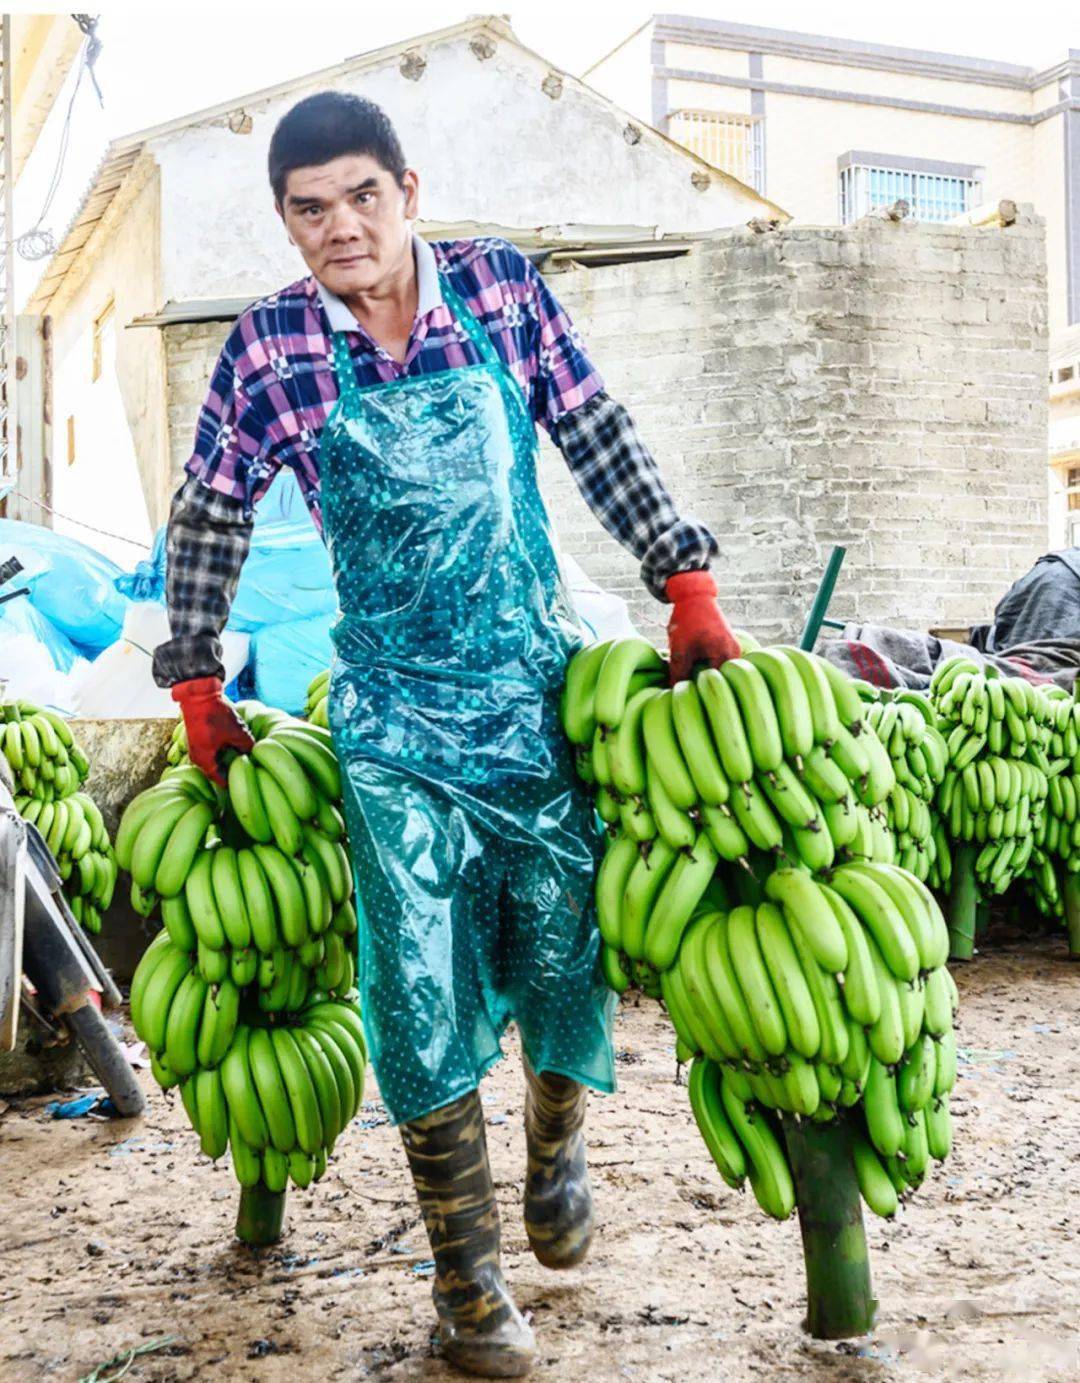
x: 790, y: 700
x: 770, y: 1176
x: 819, y: 693
x: 153, y: 837
x: 31, y: 744
x: 881, y: 1107
x: 875, y: 1185
x: 334, y: 865
x: 288, y: 895
x: 635, y: 819
x: 841, y: 822
x: 643, y: 883
x: 348, y: 1095
x: 58, y: 829
x: 188, y: 1092
x: 202, y: 906
x: 938, y: 1128
x: 259, y: 902
x: 830, y: 1082
x: 823, y: 777
x: 13, y: 750
x: 757, y: 711
x: 789, y: 982
x: 625, y: 746
x: 158, y: 996
x: 288, y: 773
x: 577, y: 707
x: 695, y: 741
x: 285, y: 825
x: 271, y: 1089
x: 688, y: 1027
x: 721, y: 708
x: 275, y: 1170
x: 729, y: 996
x: 755, y: 817
x: 673, y: 825
x: 701, y: 997
x: 706, y: 1101
x: 317, y: 760
x: 850, y: 755
x: 213, y: 1114
x: 152, y: 957
x: 876, y: 909
x: 664, y: 756
x: 301, y: 1168
x: 182, y: 1028
x: 945, y: 1075
x: 886, y: 1036
x: 221, y: 1010
x: 240, y: 1093
x: 342, y: 1014
x: 802, y: 1094
x: 316, y: 891
x: 611, y: 965
x: 300, y: 1088
x: 676, y: 901
x: 825, y: 996
x: 915, y: 1078
x: 729, y: 840
x: 246, y: 1165
x: 245, y: 798
x: 184, y: 842
x: 620, y: 858
x: 212, y: 965
x: 624, y: 658
x: 755, y: 981
x: 916, y: 1147
x: 788, y: 796
x: 807, y: 909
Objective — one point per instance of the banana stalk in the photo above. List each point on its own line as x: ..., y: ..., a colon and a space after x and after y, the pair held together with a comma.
x: 963, y: 905
x: 839, y: 1296
x: 261, y: 1217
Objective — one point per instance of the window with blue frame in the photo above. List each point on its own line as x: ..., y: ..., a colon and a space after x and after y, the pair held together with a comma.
x: 933, y: 196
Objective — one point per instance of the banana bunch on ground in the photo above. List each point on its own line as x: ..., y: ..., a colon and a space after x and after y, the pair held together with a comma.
x: 74, y: 831
x: 906, y: 724
x: 41, y: 751
x: 254, y: 886
x: 316, y: 707
x: 275, y: 1093
x: 49, y: 768
x: 999, y: 734
x: 827, y: 1000
x: 766, y: 760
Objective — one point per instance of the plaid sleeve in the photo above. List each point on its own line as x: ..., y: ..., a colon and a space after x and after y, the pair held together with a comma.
x: 206, y: 542
x: 232, y: 453
x: 565, y: 376
x: 616, y: 473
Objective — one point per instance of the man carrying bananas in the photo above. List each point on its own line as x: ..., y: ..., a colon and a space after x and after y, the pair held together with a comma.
x: 403, y: 382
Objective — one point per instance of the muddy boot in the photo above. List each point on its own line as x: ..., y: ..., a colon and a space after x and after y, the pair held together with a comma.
x: 558, y: 1198
x: 481, y: 1331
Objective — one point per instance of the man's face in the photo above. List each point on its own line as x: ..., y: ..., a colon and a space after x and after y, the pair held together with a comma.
x: 350, y: 220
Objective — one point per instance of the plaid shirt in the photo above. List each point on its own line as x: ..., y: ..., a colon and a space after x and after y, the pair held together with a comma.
x: 273, y: 389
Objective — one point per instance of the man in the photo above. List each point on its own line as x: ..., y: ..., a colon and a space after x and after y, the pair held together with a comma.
x: 402, y: 383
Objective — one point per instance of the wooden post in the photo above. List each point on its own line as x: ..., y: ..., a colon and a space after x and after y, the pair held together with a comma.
x: 963, y: 905
x: 261, y: 1215
x: 1072, y: 912
x: 839, y: 1296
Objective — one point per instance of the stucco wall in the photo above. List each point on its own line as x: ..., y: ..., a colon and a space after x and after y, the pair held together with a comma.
x: 878, y: 386
x: 119, y: 478
x: 491, y: 148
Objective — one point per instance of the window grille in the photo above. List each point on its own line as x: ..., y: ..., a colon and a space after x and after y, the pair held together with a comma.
x: 933, y: 196
x: 731, y: 142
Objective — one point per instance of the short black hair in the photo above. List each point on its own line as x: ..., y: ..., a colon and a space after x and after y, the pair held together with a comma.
x: 326, y: 126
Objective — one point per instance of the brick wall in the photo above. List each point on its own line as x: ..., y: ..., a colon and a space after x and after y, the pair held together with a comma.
x: 879, y: 385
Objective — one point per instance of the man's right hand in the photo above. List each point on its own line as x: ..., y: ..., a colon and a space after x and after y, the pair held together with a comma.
x: 212, y: 725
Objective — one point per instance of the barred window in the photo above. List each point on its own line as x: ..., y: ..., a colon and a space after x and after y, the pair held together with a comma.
x: 734, y: 143
x: 933, y: 196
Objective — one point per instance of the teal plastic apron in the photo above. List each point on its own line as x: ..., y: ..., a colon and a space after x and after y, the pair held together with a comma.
x: 472, y: 840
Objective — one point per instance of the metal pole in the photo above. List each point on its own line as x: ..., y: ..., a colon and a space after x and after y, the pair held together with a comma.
x: 821, y: 601
x: 7, y: 364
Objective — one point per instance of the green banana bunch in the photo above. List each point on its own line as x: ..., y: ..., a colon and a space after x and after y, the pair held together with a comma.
x: 317, y: 703
x: 45, y: 760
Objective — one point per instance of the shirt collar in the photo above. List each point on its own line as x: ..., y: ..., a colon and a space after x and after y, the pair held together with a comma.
x: 429, y: 290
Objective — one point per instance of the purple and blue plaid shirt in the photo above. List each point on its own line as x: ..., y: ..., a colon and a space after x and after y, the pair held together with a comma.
x: 273, y: 389
x: 274, y: 386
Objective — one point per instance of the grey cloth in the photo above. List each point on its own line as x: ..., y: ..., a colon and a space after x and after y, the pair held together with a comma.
x: 1043, y: 604
x: 905, y: 658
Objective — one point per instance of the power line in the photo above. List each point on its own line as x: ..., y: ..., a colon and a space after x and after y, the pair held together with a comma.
x: 68, y: 518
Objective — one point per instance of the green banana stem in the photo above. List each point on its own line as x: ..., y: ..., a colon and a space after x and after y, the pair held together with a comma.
x: 839, y: 1296
x: 1072, y: 912
x: 261, y: 1215
x: 963, y: 905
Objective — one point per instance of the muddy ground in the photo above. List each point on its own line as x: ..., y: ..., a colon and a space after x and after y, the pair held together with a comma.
x: 113, y: 1235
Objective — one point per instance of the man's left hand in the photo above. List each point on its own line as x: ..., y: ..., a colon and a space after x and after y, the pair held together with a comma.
x: 697, y: 630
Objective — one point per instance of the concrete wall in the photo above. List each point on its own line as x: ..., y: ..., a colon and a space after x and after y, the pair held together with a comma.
x: 879, y: 386
x: 118, y: 479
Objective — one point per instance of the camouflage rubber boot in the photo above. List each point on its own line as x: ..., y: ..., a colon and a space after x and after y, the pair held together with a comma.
x: 481, y: 1331
x: 558, y: 1197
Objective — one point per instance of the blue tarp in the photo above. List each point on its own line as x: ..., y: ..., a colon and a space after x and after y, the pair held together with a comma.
x: 71, y: 585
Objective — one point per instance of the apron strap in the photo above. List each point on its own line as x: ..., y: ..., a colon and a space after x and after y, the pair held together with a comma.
x: 345, y: 372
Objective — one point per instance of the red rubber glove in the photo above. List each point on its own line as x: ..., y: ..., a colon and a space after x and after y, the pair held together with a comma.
x: 697, y: 629
x: 212, y: 725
